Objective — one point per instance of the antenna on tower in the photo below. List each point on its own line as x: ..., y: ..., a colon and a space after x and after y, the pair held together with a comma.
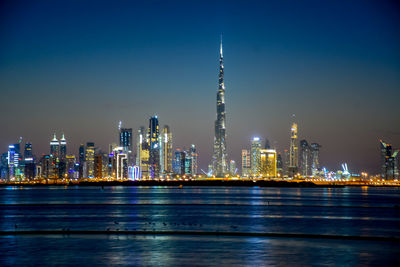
x: 119, y: 125
x: 220, y: 49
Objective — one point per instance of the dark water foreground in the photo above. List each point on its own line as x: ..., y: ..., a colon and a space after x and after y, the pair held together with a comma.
x: 167, y: 226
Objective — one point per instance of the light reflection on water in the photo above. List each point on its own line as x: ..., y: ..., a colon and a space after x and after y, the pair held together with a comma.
x: 335, y: 211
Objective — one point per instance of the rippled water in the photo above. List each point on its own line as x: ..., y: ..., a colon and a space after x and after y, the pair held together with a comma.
x: 349, y: 211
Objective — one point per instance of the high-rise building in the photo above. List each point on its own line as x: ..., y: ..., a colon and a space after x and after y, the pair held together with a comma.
x: 82, y: 158
x: 154, y: 147
x: 232, y: 167
x: 246, y: 165
x: 4, y: 166
x: 29, y: 168
x: 62, y: 164
x: 255, y: 157
x: 286, y: 160
x: 63, y: 148
x: 54, y: 147
x: 268, y: 163
x: 54, y: 158
x: 72, y: 167
x: 389, y: 160
x: 179, y: 162
x: 89, y: 160
x: 293, y: 156
x: 315, y: 158
x: 28, y: 155
x: 194, y: 158
x: 220, y: 162
x: 12, y: 161
x: 142, y: 153
x: 166, y: 151
x: 279, y: 165
x: 305, y: 159
x: 125, y: 141
x: 46, y: 162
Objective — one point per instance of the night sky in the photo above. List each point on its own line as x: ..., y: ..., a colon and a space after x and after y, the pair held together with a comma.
x: 79, y: 67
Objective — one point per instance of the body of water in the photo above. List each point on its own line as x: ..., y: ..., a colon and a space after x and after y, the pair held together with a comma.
x: 301, y: 221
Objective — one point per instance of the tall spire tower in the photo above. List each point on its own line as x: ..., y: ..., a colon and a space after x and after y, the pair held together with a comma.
x: 220, y: 161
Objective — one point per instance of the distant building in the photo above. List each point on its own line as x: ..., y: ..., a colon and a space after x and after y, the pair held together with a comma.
x: 194, y: 158
x: 89, y: 160
x: 29, y: 162
x: 179, y: 162
x: 255, y: 157
x: 154, y: 147
x: 246, y: 165
x: 305, y: 159
x: 279, y: 165
x: 232, y: 167
x: 389, y: 161
x: 293, y: 153
x: 268, y: 163
x: 82, y: 158
x: 315, y: 168
x: 125, y: 141
x: 143, y: 153
x: 166, y: 151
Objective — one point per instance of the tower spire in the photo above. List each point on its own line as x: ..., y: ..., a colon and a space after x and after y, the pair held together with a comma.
x: 220, y: 49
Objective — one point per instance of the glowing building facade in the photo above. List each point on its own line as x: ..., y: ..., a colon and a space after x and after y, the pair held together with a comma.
x: 268, y: 161
x: 246, y: 165
x: 255, y: 157
x: 166, y: 151
x: 293, y: 152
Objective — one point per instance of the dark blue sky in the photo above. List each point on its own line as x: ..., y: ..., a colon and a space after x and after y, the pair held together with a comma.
x: 81, y: 66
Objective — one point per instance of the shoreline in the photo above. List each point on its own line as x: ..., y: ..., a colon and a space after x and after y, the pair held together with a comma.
x: 222, y: 183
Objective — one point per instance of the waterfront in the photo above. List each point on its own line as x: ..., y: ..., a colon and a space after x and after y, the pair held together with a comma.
x: 316, y: 214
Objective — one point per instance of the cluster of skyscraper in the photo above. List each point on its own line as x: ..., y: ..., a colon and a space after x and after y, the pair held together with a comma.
x: 153, y: 156
x: 266, y: 162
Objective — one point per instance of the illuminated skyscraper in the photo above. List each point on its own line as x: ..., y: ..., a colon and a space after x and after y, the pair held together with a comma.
x: 246, y: 165
x: 154, y: 146
x: 62, y: 164
x: 12, y: 159
x: 255, y: 157
x: 268, y: 163
x: 81, y: 161
x: 194, y: 157
x: 125, y: 141
x: 89, y: 160
x: 54, y: 157
x: 28, y: 155
x: 220, y: 162
x: 315, y: 158
x: 142, y: 153
x: 54, y: 147
x: 63, y: 148
x: 389, y: 160
x: 30, y: 168
x: 305, y: 159
x: 293, y: 156
x: 179, y: 162
x: 166, y: 150
x: 279, y: 165
x: 232, y: 167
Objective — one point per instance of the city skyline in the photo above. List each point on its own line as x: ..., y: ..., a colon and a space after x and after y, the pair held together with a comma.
x: 335, y: 89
